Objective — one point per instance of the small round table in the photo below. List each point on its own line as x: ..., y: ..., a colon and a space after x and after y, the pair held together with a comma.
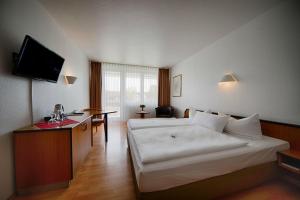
x: 142, y: 113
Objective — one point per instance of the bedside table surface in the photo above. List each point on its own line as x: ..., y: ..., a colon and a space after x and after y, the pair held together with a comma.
x: 291, y: 153
x: 142, y: 112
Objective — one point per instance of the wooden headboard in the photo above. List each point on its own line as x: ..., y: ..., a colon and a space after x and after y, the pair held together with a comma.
x: 284, y: 131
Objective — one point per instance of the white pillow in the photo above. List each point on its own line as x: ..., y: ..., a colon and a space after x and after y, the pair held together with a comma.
x: 211, y: 121
x: 248, y: 127
x: 193, y: 111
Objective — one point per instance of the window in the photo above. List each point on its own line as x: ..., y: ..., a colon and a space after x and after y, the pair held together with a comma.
x: 151, y: 89
x: 112, y: 97
x: 125, y: 87
x: 133, y: 88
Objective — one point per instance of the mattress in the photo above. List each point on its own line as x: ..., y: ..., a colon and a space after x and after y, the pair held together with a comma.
x: 175, y: 142
x: 134, y: 124
x: 180, y: 171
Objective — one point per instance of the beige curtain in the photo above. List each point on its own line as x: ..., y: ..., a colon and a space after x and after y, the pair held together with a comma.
x: 95, y: 85
x: 163, y: 88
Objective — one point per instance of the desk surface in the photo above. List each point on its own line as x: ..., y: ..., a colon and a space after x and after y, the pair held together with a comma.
x: 77, y: 117
x: 80, y: 118
x: 101, y: 112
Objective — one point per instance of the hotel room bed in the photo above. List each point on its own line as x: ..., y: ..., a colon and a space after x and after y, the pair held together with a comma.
x: 213, y: 174
x: 135, y: 124
x: 162, y: 175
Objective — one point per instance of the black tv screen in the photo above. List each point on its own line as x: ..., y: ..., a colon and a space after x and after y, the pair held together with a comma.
x: 38, y: 62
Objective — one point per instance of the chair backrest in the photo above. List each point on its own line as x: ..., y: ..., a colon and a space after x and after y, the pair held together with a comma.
x: 98, y: 116
x: 164, y: 109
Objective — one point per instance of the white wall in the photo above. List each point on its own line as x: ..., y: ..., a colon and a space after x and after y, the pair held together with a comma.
x: 18, y: 18
x: 265, y: 56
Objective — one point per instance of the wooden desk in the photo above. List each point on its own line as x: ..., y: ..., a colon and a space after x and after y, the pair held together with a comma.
x: 142, y: 113
x: 50, y: 158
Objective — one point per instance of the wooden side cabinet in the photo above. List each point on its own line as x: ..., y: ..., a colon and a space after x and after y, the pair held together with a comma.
x: 49, y: 158
x: 289, y: 160
x: 81, y: 144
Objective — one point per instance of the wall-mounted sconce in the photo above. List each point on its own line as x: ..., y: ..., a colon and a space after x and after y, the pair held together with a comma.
x: 228, y: 78
x: 70, y: 79
x: 228, y: 82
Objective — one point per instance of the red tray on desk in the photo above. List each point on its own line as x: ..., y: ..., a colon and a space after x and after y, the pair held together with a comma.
x: 45, y: 125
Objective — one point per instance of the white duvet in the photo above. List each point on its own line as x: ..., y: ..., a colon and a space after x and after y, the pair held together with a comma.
x: 162, y: 144
x: 134, y: 124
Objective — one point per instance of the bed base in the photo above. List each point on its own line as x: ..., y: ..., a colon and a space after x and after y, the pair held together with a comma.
x: 213, y: 187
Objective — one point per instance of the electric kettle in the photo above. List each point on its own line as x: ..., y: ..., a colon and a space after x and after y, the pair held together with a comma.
x: 59, y: 111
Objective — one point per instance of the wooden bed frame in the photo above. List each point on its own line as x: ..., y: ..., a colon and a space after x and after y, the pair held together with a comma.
x: 229, y: 183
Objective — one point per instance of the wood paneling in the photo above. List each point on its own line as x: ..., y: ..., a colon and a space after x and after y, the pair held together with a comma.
x: 285, y: 132
x: 42, y: 158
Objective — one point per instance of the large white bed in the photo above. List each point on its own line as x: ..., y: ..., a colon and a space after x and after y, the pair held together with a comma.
x: 161, y: 173
x: 135, y: 124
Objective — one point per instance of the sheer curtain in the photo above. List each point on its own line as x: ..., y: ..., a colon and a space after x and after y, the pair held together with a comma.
x: 126, y: 87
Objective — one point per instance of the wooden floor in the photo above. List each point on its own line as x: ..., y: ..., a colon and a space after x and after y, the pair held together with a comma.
x: 106, y: 174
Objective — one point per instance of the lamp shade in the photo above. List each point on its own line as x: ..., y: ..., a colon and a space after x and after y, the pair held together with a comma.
x: 70, y: 79
x: 228, y: 78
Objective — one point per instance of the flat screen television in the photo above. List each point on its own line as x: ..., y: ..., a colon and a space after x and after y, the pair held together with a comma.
x: 37, y: 62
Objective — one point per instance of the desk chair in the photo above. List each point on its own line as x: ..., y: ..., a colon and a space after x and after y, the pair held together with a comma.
x: 96, y: 119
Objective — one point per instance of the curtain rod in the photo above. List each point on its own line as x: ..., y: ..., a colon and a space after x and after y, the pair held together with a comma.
x: 129, y: 64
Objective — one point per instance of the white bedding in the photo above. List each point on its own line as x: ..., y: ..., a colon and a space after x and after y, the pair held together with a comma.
x: 134, y: 124
x: 164, y: 144
x: 179, y: 171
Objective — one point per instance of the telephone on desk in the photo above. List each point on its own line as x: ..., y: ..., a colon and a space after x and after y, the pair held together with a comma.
x: 75, y: 112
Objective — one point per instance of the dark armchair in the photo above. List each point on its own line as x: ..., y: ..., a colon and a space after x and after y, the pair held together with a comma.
x: 164, y: 111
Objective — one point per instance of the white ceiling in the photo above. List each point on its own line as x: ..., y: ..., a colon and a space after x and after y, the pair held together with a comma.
x: 150, y: 32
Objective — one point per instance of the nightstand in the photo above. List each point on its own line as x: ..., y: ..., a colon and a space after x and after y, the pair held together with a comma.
x: 289, y: 160
x: 143, y: 113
